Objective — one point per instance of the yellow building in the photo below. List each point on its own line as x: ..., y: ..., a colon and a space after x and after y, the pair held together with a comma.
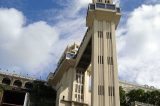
x: 74, y: 89
x: 14, y: 89
x: 95, y: 57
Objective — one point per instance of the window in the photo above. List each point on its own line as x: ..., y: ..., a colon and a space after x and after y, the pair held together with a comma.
x: 6, y: 81
x: 17, y: 83
x: 100, y: 90
x: 79, y: 98
x: 63, y: 97
x: 109, y: 35
x: 111, y: 91
x: 79, y: 89
x: 82, y: 89
x: 79, y: 86
x: 110, y: 60
x: 76, y: 87
x: 99, y: 0
x: 100, y: 60
x: 82, y: 79
x: 107, y: 1
x: 100, y: 34
x: 82, y: 97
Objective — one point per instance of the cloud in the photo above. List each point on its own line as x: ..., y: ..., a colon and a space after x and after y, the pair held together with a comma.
x: 138, y: 46
x: 26, y: 47
x: 69, y: 22
x: 151, y: 1
x: 31, y: 48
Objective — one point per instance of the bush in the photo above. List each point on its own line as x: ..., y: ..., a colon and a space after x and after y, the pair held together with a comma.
x: 42, y: 95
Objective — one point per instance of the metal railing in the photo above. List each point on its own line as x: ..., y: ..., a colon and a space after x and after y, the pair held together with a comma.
x: 13, y: 74
x: 103, y: 6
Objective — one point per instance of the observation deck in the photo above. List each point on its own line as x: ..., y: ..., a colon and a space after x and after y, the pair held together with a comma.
x: 103, y: 11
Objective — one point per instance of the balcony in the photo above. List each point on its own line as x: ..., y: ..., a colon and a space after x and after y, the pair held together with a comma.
x: 103, y: 11
x: 103, y: 6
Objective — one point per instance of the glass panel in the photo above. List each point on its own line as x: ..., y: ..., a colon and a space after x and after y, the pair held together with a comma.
x: 100, y: 5
x: 92, y: 6
x: 110, y: 6
x: 76, y: 87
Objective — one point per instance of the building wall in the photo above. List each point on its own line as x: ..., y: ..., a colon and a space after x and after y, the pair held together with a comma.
x: 10, y: 86
x: 14, y: 78
x: 64, y: 88
x: 140, y: 104
x: 130, y: 86
x: 65, y: 80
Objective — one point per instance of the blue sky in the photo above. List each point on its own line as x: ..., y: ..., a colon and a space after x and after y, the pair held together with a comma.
x: 37, y: 10
x: 34, y: 33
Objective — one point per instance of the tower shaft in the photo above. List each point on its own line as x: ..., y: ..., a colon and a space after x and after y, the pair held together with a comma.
x: 102, y: 19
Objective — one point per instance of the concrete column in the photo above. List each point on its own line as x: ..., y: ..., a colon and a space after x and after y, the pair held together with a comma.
x: 105, y: 90
x: 26, y: 100
x: 106, y: 73
x: 86, y: 87
x: 116, y: 80
x: 73, y: 86
x: 94, y: 64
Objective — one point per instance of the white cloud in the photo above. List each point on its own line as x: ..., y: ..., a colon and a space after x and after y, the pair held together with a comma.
x: 138, y: 46
x: 151, y: 1
x: 32, y: 47
x: 13, y: 22
x: 70, y: 23
x: 70, y: 8
x: 26, y: 47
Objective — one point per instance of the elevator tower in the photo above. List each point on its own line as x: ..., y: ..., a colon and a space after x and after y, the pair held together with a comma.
x: 102, y: 19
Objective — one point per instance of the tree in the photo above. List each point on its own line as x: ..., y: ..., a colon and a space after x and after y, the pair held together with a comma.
x: 154, y: 98
x: 42, y: 94
x: 122, y: 96
x: 135, y: 95
x: 150, y: 97
x: 146, y: 98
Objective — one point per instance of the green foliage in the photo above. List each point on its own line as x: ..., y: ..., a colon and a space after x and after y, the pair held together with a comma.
x: 150, y: 97
x: 122, y: 96
x: 135, y: 95
x: 5, y: 87
x: 42, y: 94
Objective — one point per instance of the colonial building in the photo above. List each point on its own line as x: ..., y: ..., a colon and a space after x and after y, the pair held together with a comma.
x: 75, y: 88
x: 127, y: 86
x: 96, y: 57
x: 86, y: 75
x: 140, y: 104
x: 13, y: 89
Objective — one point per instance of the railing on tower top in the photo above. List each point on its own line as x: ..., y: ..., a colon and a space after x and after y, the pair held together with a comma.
x: 103, y: 6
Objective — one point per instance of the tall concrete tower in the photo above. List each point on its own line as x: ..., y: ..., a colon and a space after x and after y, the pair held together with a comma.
x: 102, y: 19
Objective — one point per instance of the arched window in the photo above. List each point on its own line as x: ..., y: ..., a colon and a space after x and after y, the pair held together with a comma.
x: 6, y: 81
x: 17, y: 83
x: 28, y: 85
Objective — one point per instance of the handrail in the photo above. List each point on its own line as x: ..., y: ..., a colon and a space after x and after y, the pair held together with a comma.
x: 94, y: 6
